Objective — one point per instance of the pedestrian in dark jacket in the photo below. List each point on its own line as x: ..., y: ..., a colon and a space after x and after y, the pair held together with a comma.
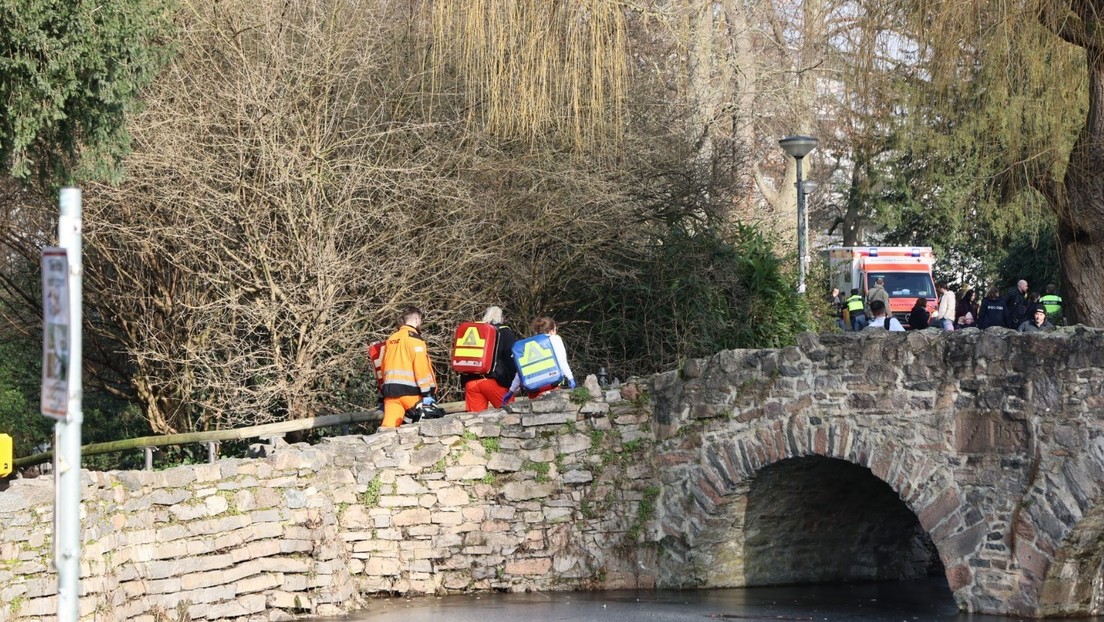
x: 1038, y: 323
x: 1015, y: 305
x: 966, y: 310
x: 991, y: 312
x: 484, y: 391
x: 919, y: 316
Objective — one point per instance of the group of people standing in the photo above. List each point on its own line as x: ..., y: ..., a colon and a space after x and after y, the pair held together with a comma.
x: 1019, y: 309
x: 409, y: 381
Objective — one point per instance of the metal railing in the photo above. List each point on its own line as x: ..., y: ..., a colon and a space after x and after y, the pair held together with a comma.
x: 212, y: 438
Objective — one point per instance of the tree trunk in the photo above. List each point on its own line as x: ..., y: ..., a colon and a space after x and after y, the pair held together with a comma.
x: 1081, y: 212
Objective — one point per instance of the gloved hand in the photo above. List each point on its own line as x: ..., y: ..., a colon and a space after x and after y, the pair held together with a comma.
x: 428, y: 400
x: 571, y: 383
x: 506, y: 399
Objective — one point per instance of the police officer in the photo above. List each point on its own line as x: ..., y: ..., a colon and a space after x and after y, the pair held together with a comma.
x: 1052, y: 302
x: 857, y: 310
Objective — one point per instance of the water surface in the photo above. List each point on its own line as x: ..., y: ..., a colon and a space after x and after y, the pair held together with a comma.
x: 912, y: 601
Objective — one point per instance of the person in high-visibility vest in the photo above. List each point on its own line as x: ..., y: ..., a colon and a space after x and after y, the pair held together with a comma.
x: 408, y: 377
x: 857, y: 310
x: 1052, y: 302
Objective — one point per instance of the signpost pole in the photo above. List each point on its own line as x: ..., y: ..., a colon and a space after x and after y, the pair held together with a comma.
x: 68, y: 431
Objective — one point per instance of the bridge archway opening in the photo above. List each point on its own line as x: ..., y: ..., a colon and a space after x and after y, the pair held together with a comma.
x: 816, y: 520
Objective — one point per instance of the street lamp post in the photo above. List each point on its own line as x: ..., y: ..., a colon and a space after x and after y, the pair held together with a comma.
x: 799, y: 147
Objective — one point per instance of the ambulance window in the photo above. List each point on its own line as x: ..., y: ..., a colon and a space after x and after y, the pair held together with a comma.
x: 912, y: 284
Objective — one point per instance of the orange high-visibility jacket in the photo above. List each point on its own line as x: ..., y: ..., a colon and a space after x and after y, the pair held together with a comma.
x: 407, y: 369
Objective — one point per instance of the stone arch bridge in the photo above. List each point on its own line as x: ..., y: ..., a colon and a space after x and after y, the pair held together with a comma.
x: 973, y: 456
x: 976, y: 455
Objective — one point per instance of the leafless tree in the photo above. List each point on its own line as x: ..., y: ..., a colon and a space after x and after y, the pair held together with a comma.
x: 289, y: 190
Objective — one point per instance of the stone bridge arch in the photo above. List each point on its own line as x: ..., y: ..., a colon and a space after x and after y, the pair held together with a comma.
x: 1059, y: 532
x: 709, y: 502
x: 992, y: 439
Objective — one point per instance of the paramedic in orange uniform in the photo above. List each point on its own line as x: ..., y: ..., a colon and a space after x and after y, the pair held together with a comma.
x: 407, y: 371
x: 481, y: 391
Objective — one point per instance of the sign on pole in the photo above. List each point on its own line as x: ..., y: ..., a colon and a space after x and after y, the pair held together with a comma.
x: 57, y: 337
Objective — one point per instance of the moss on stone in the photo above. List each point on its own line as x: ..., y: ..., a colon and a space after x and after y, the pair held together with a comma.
x: 372, y: 494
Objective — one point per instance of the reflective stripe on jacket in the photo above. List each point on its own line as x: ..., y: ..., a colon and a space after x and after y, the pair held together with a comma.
x: 855, y: 303
x: 1053, y: 303
x: 407, y: 369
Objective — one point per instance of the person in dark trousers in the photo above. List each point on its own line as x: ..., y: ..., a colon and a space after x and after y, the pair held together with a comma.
x: 991, y: 312
x: 856, y: 310
x: 1015, y: 305
x: 918, y: 318
x: 483, y: 391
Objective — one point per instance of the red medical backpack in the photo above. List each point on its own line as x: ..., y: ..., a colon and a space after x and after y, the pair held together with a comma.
x: 473, y: 348
x: 375, y: 354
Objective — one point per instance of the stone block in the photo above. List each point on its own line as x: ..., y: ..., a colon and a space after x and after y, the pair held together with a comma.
x: 445, y: 426
x: 398, y: 501
x: 505, y: 463
x: 576, y: 476
x: 289, y: 601
x: 453, y: 496
x: 258, y: 583
x: 989, y: 433
x: 448, y: 518
x: 169, y: 496
x: 574, y: 443
x: 465, y: 473
x: 522, y: 491
x: 208, y: 473
x: 418, y: 516
x: 239, y: 607
x: 552, y: 418
x: 407, y: 485
x: 382, y: 566
x: 256, y: 550
x: 594, y: 409
x: 538, y: 566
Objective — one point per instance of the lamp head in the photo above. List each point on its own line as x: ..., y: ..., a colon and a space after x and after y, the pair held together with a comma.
x: 798, y: 146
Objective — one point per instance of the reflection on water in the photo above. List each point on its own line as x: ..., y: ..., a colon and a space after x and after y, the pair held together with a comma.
x: 906, y: 601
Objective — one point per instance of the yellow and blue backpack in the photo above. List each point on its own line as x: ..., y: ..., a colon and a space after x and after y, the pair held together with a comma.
x: 536, y: 362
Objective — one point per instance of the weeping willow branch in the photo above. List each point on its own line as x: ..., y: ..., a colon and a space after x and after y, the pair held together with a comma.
x: 530, y: 68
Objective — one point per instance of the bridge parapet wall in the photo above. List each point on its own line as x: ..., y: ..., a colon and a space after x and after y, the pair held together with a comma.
x: 993, y: 439
x: 550, y: 498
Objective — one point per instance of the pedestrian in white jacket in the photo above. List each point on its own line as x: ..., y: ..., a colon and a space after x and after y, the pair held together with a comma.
x: 946, y: 311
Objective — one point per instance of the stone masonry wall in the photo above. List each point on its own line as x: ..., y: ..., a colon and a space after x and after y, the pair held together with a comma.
x: 554, y: 496
x: 994, y: 440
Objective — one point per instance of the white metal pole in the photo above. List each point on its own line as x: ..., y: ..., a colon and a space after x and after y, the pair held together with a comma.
x: 802, y: 233
x: 68, y: 432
